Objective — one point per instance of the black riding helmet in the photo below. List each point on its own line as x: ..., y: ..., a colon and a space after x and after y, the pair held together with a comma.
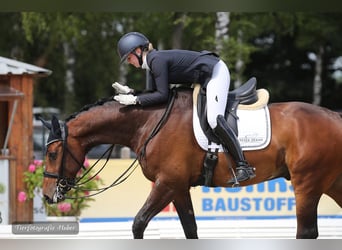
x: 129, y: 42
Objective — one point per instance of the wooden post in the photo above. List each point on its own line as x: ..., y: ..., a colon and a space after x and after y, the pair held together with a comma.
x: 21, y: 146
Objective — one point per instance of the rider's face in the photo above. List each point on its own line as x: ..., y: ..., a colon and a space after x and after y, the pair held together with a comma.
x: 132, y: 59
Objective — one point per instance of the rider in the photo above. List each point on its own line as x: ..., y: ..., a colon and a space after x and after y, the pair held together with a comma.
x: 183, y: 67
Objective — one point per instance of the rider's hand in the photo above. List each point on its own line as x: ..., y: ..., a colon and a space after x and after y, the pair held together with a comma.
x: 122, y: 89
x: 126, y: 99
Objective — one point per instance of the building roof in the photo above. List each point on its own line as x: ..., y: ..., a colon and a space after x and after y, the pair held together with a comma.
x: 10, y: 66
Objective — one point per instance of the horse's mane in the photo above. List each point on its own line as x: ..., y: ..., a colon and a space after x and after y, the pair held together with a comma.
x: 109, y: 99
x: 89, y: 106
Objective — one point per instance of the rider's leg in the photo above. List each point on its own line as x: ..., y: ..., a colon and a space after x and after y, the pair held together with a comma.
x: 229, y: 140
x: 217, y: 94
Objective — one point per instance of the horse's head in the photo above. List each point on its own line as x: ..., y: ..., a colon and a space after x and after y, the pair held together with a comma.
x: 61, y: 163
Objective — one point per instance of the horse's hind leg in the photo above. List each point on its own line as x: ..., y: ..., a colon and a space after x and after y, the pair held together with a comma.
x: 306, y: 209
x: 306, y: 206
x: 160, y: 196
x: 186, y: 214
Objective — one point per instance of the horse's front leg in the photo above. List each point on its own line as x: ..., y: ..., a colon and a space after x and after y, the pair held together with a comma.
x: 160, y: 196
x: 186, y: 214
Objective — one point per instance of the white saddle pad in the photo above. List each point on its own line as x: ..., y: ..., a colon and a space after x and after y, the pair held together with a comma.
x: 254, y: 128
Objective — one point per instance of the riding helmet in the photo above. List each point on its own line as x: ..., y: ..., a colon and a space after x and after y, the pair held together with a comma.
x: 129, y: 42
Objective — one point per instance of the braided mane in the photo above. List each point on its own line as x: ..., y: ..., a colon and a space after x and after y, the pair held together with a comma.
x: 109, y: 99
x: 89, y: 106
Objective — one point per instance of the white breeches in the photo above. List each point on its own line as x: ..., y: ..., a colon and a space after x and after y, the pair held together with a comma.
x: 217, y: 93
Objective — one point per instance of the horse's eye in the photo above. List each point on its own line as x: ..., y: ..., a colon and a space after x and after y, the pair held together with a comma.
x: 52, y: 155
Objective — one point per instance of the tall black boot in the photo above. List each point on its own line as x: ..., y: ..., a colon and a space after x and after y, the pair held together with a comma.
x: 231, y: 144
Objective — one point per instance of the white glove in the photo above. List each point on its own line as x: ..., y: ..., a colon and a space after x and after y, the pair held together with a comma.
x: 126, y: 99
x: 121, y: 89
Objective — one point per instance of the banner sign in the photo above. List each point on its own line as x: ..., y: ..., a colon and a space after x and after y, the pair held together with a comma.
x: 274, y: 198
x: 271, y: 199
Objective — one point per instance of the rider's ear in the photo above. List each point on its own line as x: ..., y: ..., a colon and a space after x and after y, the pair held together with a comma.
x: 56, y: 128
x: 138, y: 51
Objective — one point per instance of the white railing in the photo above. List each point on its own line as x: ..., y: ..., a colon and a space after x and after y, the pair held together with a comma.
x: 213, y: 229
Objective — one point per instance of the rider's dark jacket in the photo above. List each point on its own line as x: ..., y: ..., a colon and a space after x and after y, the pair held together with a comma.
x: 176, y: 67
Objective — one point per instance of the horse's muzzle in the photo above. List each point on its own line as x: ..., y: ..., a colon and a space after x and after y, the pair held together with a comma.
x: 48, y: 199
x: 57, y: 197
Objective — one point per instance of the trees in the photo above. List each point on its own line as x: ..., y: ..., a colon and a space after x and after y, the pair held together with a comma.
x: 319, y: 36
x: 80, y: 49
x: 295, y: 56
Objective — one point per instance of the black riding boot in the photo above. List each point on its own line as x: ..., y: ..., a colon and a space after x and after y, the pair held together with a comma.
x: 231, y: 144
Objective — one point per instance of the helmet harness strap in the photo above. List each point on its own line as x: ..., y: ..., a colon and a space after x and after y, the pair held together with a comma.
x: 140, y: 57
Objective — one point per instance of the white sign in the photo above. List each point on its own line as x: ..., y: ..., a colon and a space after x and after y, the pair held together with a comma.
x: 38, y: 206
x: 4, y: 194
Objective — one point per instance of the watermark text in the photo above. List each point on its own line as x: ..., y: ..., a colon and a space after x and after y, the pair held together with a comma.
x: 46, y: 228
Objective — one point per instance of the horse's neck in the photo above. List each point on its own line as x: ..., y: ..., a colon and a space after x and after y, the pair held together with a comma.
x: 112, y: 123
x: 107, y: 124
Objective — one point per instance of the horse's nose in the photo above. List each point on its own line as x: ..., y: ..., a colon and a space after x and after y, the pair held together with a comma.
x: 48, y: 199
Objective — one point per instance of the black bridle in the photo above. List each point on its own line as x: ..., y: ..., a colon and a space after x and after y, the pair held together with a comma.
x: 63, y: 183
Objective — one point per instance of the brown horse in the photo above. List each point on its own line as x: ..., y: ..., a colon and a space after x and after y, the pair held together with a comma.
x: 305, y: 147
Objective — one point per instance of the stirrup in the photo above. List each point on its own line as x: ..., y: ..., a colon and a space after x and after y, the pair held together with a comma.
x: 244, y: 172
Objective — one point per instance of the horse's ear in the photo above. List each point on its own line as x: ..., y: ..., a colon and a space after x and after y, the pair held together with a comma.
x: 45, y: 123
x: 56, y: 128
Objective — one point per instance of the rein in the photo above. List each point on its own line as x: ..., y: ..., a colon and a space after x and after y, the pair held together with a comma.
x: 118, y: 181
x: 161, y: 122
x: 64, y: 184
x: 87, y: 171
x: 132, y: 167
